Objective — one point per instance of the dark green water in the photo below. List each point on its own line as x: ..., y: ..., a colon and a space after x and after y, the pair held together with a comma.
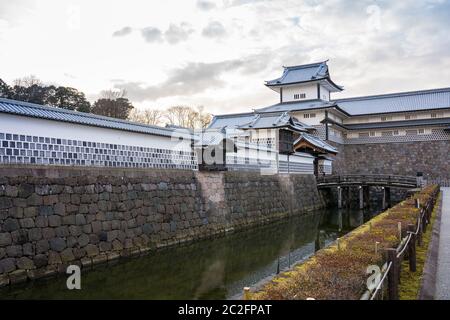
x: 209, y: 269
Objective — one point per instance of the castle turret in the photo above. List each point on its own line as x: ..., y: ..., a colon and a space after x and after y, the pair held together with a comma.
x: 305, y: 82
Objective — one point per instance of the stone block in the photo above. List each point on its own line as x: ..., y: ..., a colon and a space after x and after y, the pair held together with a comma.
x: 57, y: 244
x: 10, y: 225
x: 5, y: 239
x: 25, y: 263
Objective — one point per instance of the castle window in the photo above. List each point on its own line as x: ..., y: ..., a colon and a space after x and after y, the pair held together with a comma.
x: 437, y: 114
x: 421, y: 131
x: 309, y: 115
x: 386, y: 118
x: 299, y: 96
x: 410, y: 116
x: 372, y: 133
x: 396, y: 133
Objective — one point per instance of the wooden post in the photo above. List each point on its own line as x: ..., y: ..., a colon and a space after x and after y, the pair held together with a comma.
x: 348, y: 197
x: 419, y: 234
x: 247, y: 295
x: 361, y: 197
x: 339, y: 197
x: 388, y: 197
x: 424, y: 221
x: 384, y: 198
x: 367, y: 196
x: 412, y: 248
x: 393, y: 275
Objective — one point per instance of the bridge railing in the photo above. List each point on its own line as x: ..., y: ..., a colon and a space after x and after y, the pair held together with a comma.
x: 391, y: 270
x: 367, y: 179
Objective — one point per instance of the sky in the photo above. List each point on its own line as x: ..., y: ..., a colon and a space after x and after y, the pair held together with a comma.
x: 218, y: 53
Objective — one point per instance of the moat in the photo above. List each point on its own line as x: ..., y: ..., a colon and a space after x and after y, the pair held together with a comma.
x: 209, y: 269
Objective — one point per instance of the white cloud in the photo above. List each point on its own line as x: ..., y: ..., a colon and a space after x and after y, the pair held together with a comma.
x: 182, y: 51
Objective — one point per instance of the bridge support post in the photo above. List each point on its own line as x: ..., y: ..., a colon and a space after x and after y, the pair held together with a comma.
x: 349, y: 195
x: 367, y: 195
x: 386, y: 197
x: 339, y: 191
x: 361, y: 197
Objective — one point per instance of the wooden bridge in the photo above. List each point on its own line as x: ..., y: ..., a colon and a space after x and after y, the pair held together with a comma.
x: 375, y: 180
x: 363, y: 182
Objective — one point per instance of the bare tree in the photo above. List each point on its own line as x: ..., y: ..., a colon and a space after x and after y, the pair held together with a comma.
x: 187, y: 117
x: 28, y: 81
x: 204, y: 118
x: 149, y: 116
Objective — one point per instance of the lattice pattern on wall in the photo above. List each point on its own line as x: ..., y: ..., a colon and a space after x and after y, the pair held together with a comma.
x: 320, y: 131
x: 264, y: 142
x: 436, y: 135
x: 295, y: 167
x: 26, y: 149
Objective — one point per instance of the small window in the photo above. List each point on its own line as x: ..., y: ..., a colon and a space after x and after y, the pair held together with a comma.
x: 363, y: 134
x: 372, y: 133
x: 421, y: 131
x: 410, y: 117
x: 437, y: 114
x: 306, y: 116
x: 298, y: 96
x: 386, y: 118
x: 396, y: 133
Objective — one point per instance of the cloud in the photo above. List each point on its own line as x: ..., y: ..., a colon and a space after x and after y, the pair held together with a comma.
x: 196, y: 77
x: 205, y: 5
x: 193, y: 78
x: 214, y: 30
x: 151, y: 34
x: 178, y: 33
x: 122, y: 32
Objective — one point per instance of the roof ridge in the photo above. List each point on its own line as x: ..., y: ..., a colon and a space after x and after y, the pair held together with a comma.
x: 301, y: 66
x: 390, y: 95
x: 78, y: 113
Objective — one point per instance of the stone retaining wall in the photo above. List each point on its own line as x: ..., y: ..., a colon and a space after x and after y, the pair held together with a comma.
x: 51, y: 217
x: 430, y: 157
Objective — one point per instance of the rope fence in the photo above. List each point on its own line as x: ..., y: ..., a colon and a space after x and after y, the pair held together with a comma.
x: 391, y: 271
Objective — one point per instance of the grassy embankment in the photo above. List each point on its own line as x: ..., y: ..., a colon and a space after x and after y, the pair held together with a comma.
x: 410, y: 281
x: 340, y: 272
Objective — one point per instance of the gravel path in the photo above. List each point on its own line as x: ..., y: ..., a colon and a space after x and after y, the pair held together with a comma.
x: 443, y: 270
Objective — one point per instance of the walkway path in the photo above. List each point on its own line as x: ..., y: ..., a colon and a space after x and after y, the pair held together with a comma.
x: 443, y: 270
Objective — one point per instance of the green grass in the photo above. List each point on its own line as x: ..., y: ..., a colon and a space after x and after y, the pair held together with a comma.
x: 410, y: 281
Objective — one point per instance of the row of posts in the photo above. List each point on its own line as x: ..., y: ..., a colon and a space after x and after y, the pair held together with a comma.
x: 364, y: 197
x: 392, y: 256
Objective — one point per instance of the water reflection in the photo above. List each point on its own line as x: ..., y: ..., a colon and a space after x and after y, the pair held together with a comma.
x: 212, y: 269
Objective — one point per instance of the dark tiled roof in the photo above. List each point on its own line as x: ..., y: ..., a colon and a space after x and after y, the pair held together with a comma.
x: 379, y: 104
x: 258, y: 121
x: 297, y: 106
x: 316, y: 141
x: 396, y: 102
x: 58, y: 114
x: 305, y: 73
